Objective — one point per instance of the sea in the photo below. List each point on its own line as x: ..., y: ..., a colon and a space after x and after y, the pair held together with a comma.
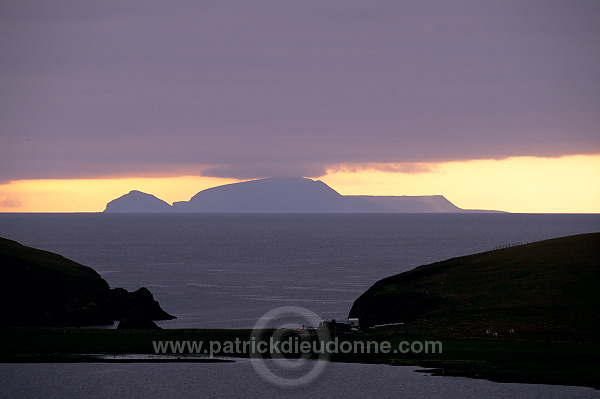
x: 228, y: 270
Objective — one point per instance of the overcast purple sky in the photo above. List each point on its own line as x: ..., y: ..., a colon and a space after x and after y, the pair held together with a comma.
x: 261, y: 88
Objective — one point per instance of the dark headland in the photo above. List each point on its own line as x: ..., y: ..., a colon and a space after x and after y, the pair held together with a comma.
x: 282, y: 195
x: 40, y: 288
x: 544, y: 290
x: 529, y: 313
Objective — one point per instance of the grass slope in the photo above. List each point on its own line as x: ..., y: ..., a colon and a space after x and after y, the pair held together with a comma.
x: 544, y: 290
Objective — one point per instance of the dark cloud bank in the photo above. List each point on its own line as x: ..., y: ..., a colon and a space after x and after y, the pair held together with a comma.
x: 253, y: 89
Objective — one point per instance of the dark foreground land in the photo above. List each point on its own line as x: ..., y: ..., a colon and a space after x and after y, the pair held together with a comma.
x: 502, y: 360
x: 529, y: 313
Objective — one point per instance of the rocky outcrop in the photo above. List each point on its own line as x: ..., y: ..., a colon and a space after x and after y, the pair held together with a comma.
x: 135, y: 309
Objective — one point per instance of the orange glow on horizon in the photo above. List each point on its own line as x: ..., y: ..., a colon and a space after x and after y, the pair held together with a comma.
x: 92, y: 195
x: 568, y: 184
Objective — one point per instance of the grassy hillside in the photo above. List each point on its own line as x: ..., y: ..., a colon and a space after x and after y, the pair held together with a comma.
x: 544, y: 290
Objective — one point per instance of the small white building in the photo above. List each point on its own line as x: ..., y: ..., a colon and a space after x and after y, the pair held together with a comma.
x: 353, y: 321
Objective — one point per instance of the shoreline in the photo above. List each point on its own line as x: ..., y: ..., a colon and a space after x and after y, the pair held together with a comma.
x: 498, y: 360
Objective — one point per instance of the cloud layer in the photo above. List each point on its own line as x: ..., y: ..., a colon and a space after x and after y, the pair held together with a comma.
x: 252, y: 89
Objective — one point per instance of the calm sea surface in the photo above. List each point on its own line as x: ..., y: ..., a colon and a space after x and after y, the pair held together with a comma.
x: 238, y: 380
x: 226, y: 271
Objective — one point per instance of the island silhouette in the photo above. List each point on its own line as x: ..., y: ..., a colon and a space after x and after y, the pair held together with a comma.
x: 282, y: 195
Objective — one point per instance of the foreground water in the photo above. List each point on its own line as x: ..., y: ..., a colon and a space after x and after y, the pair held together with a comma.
x: 237, y: 380
x: 225, y: 271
